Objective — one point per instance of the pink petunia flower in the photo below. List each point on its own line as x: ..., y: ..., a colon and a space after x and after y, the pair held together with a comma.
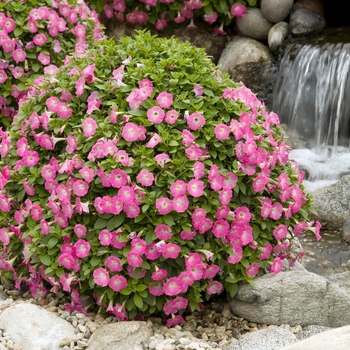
x: 195, y: 121
x: 187, y: 137
x: 19, y: 55
x: 195, y: 188
x: 277, y: 265
x: 145, y: 178
x: 214, y: 287
x: 164, y: 205
x: 178, y: 188
x: 66, y: 260
x: 172, y: 286
x: 82, y: 248
x: 159, y: 275
x: 44, y: 226
x: 117, y: 283
x: 162, y: 159
x: 163, y: 232
x: 134, y: 259
x: 236, y: 255
x: 171, y: 117
x: 130, y: 132
x: 252, y: 270
x: 170, y: 251
x: 80, y: 230
x: 155, y: 115
x: 156, y: 289
x: 165, y: 99
x: 193, y: 152
x: 238, y: 10
x: 280, y: 232
x: 39, y: 39
x: 30, y: 158
x: 105, y: 237
x: 89, y: 127
x: 187, y: 235
x: 174, y: 321
x: 101, y: 277
x: 222, y: 132
x: 80, y: 188
x: 180, y: 204
x: 198, y: 90
x: 198, y: 170
x: 114, y: 264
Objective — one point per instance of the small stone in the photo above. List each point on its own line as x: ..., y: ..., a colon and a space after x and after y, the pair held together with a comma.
x: 43, y: 302
x: 65, y: 341
x: 82, y: 344
x: 82, y: 328
x: 184, y: 341
x: 10, y: 344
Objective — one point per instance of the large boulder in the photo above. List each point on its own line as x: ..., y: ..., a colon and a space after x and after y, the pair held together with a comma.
x: 335, y: 339
x: 121, y: 336
x: 276, y: 10
x: 270, y: 338
x: 332, y: 203
x: 254, y: 24
x: 306, y: 22
x: 294, y: 298
x: 35, y: 328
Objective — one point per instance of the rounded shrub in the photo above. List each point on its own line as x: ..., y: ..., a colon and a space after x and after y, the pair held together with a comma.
x: 35, y: 37
x: 141, y: 175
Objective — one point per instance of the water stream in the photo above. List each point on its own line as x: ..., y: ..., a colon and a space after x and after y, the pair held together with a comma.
x: 312, y: 97
x: 312, y: 100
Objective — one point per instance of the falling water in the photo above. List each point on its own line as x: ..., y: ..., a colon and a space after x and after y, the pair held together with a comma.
x: 312, y: 97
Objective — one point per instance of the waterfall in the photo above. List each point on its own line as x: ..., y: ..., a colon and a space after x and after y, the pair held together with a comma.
x: 312, y: 97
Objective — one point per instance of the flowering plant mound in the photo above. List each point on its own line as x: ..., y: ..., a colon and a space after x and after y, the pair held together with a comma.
x: 144, y: 176
x: 35, y: 36
x: 159, y: 14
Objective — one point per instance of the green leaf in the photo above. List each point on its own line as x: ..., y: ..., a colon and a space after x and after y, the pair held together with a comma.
x: 126, y: 291
x: 137, y: 112
x: 46, y: 260
x: 52, y: 242
x: 180, y: 105
x: 18, y: 31
x: 138, y: 301
x: 168, y: 219
x: 35, y: 67
x: 95, y: 261
x: 232, y: 289
x: 100, y: 224
x: 115, y: 222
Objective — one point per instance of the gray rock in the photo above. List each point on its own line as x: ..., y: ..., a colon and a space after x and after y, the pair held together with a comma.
x: 332, y: 203
x: 313, y: 5
x: 277, y: 35
x: 341, y: 279
x: 345, y: 232
x: 276, y: 10
x: 311, y: 330
x: 306, y: 22
x: 121, y: 336
x: 265, y: 339
x: 335, y: 339
x: 293, y: 297
x: 249, y: 61
x: 36, y: 328
x: 254, y: 24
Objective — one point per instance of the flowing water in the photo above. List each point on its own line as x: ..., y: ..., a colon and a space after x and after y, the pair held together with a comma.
x: 312, y: 99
